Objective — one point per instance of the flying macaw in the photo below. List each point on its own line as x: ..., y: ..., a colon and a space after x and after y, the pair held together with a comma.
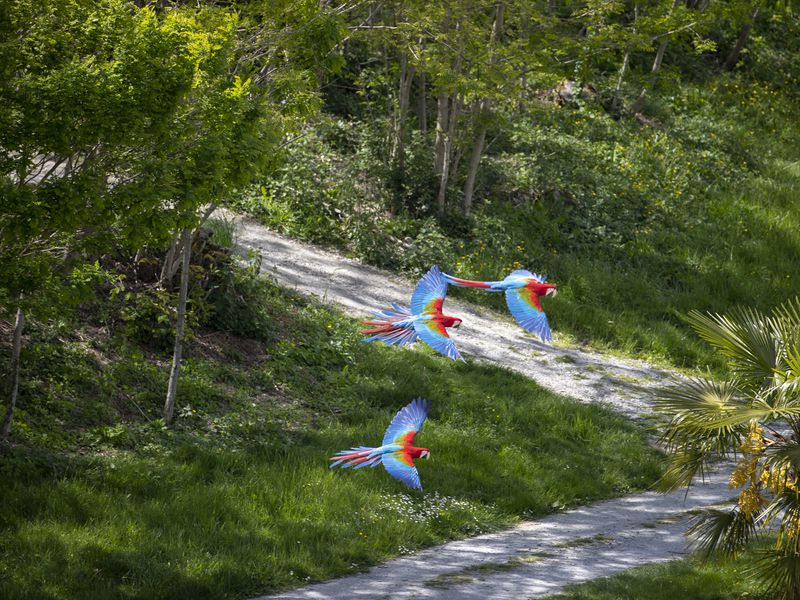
x: 396, y: 452
x: 399, y: 326
x: 523, y: 290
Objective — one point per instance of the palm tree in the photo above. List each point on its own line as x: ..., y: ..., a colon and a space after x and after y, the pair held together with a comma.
x: 754, y: 414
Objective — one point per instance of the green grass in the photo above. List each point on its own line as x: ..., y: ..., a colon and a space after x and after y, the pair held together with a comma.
x: 99, y: 500
x: 689, y: 578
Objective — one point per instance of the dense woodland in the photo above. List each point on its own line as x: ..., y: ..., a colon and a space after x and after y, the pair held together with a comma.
x: 643, y: 154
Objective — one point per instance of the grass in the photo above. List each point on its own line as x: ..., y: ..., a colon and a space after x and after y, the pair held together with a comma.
x: 99, y: 500
x: 689, y: 578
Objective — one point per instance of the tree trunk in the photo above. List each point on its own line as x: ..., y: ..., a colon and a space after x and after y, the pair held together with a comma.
x: 662, y: 48
x: 5, y: 429
x: 404, y: 93
x: 474, y: 161
x: 627, y: 59
x: 422, y: 105
x: 169, y: 405
x: 483, y: 110
x: 448, y: 154
x: 733, y: 56
x: 442, y: 119
x: 167, y: 270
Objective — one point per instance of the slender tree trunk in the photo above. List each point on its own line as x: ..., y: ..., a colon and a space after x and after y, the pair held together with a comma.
x: 442, y: 119
x: 474, y: 161
x: 733, y: 56
x: 662, y: 48
x: 448, y: 154
x: 167, y: 272
x: 422, y: 105
x: 483, y: 110
x: 169, y: 404
x: 626, y: 61
x: 5, y: 429
x: 404, y: 93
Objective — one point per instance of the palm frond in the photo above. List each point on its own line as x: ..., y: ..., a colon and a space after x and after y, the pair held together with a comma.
x: 746, y: 337
x: 719, y: 532
x: 786, y: 319
x: 786, y: 507
x: 778, y: 571
x: 683, y: 466
x: 785, y: 454
x: 697, y: 407
x: 779, y: 404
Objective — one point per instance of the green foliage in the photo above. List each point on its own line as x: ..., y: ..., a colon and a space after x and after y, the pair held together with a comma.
x: 430, y: 247
x: 238, y: 498
x: 753, y: 412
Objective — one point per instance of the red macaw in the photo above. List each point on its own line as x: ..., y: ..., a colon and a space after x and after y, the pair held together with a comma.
x: 523, y: 290
x: 396, y: 453
x: 400, y: 326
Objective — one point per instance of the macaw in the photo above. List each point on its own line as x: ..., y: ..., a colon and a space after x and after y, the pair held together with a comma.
x: 400, y: 326
x: 523, y: 290
x: 396, y: 452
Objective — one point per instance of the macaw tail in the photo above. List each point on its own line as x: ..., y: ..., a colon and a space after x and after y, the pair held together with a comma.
x: 386, y: 329
x: 466, y: 282
x: 356, y: 457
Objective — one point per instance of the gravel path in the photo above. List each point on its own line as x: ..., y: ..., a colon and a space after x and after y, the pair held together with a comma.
x: 536, y: 558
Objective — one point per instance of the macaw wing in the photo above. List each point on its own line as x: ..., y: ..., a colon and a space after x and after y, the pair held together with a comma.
x: 406, y: 423
x: 429, y: 294
x: 434, y: 333
x: 400, y: 466
x: 524, y: 306
x: 528, y: 275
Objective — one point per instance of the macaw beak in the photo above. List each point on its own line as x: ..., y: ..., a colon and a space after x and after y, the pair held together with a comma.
x: 456, y: 324
x: 551, y: 292
x: 425, y: 454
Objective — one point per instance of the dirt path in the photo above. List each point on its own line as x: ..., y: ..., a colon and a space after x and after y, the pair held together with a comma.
x: 536, y: 558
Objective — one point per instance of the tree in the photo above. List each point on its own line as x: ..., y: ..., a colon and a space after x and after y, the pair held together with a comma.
x: 87, y: 97
x: 756, y: 412
x: 120, y: 124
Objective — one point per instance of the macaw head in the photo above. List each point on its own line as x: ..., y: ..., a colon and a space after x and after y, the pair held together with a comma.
x: 448, y: 321
x: 543, y: 289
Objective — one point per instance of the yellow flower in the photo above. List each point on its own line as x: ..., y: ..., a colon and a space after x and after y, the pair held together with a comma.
x: 750, y: 500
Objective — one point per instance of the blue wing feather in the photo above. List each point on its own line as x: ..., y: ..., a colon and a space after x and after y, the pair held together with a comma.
x: 432, y: 286
x: 528, y: 317
x: 395, y: 466
x: 409, y: 418
x: 441, y: 343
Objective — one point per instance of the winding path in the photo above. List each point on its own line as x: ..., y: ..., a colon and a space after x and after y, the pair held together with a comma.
x: 535, y: 558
